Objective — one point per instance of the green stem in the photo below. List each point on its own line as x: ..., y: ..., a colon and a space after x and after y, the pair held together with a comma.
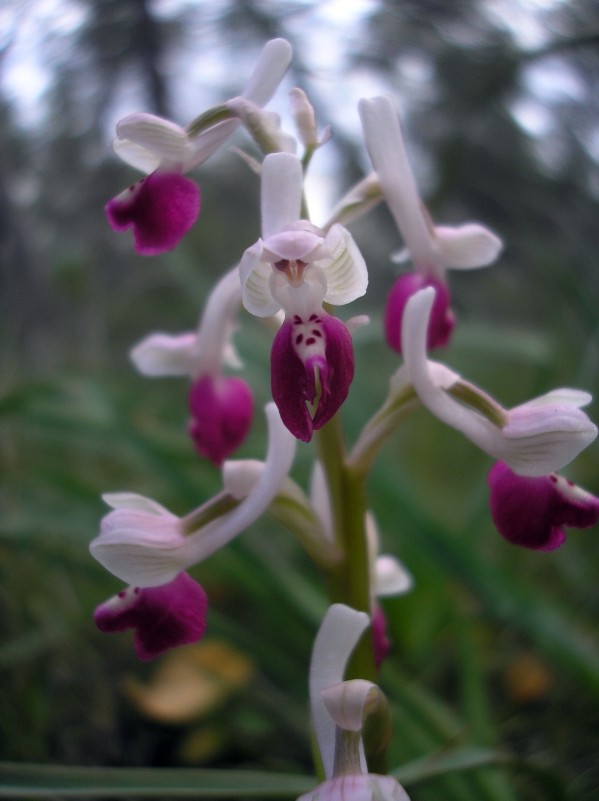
x: 349, y: 581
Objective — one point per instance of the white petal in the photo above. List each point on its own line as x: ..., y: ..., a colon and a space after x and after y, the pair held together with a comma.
x: 204, y: 145
x: 345, y: 270
x: 337, y: 637
x: 565, y: 396
x: 138, y: 559
x: 167, y: 140
x: 281, y: 192
x: 217, y: 325
x: 165, y: 354
x: 255, y: 283
x: 268, y: 72
x: 279, y: 457
x: 391, y: 577
x: 385, y: 144
x: 346, y: 702
x: 131, y: 500
x: 240, y: 476
x: 139, y: 157
x: 466, y: 246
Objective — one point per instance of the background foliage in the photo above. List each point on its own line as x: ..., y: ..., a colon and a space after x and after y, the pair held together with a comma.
x: 495, y: 657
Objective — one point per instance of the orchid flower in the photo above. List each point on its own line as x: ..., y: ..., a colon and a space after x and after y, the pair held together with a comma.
x: 433, y: 249
x: 162, y: 207
x: 388, y: 577
x: 145, y: 545
x: 296, y: 267
x: 338, y: 710
x: 150, y: 548
x: 221, y: 406
x: 532, y: 511
x: 533, y: 439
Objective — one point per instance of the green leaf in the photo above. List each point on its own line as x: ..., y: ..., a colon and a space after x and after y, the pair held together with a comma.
x: 57, y: 781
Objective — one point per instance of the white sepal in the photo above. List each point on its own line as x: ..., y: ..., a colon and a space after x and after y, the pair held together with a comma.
x: 132, y: 500
x: 345, y: 268
x: 240, y: 476
x: 389, y: 158
x: 255, y: 287
x: 467, y: 246
x: 165, y: 354
x: 162, y: 139
x: 281, y: 192
x: 390, y: 577
x: 268, y: 73
x: 346, y: 702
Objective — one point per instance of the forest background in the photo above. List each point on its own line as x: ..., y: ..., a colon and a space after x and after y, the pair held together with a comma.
x: 495, y: 658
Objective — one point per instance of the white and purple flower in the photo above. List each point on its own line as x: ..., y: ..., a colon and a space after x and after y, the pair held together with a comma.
x: 295, y: 266
x: 150, y: 548
x: 163, y: 206
x: 432, y: 248
x: 221, y: 406
x: 530, y: 502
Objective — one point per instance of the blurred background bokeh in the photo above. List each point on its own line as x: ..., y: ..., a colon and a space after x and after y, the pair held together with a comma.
x: 496, y: 651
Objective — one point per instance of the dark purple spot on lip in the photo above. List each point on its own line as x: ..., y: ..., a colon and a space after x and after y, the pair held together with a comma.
x: 297, y: 319
x: 313, y: 317
x: 316, y: 332
x: 553, y: 478
x: 298, y: 339
x: 122, y: 593
x: 310, y: 341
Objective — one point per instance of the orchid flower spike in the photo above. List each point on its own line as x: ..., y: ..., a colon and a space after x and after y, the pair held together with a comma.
x: 296, y: 267
x: 221, y: 406
x: 162, y: 207
x: 533, y: 439
x: 145, y: 545
x: 338, y: 711
x: 433, y: 249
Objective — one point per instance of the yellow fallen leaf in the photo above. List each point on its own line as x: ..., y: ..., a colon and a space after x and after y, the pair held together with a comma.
x: 190, y: 682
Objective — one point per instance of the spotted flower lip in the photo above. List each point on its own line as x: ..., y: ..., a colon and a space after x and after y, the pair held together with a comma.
x: 163, y: 617
x: 534, y: 439
x: 532, y: 512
